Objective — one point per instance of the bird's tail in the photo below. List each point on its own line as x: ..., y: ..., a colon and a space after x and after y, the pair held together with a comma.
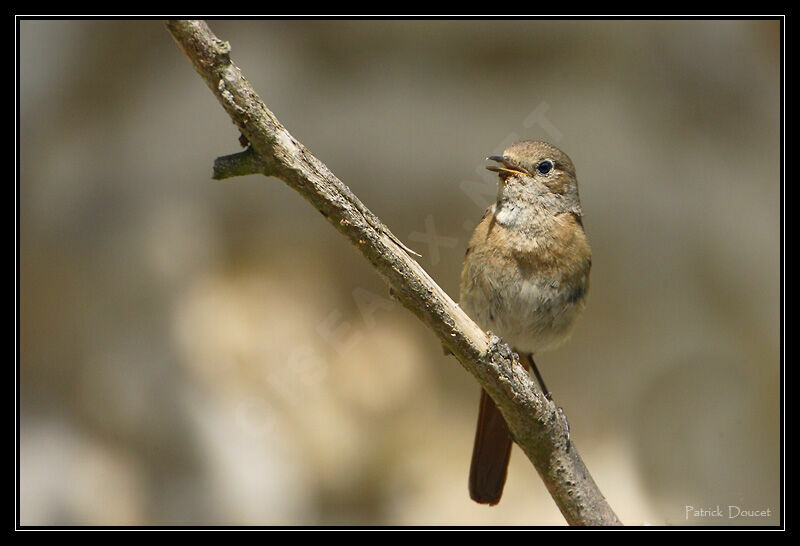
x: 490, y: 455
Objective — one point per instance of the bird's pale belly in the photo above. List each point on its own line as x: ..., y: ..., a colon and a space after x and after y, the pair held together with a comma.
x: 531, y: 313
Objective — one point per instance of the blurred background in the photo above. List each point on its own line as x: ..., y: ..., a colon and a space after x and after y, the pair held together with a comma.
x: 200, y: 352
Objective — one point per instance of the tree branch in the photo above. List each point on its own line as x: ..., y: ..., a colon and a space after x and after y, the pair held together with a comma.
x: 533, y: 421
x: 240, y: 164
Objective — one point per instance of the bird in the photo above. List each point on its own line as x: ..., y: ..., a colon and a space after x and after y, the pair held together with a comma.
x: 525, y: 279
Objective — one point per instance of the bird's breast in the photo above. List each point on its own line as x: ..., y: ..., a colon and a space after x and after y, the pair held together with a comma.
x: 529, y: 287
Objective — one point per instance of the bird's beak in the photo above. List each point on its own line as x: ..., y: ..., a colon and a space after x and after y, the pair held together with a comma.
x: 507, y: 166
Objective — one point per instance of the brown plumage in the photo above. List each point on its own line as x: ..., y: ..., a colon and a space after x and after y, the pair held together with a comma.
x: 525, y: 278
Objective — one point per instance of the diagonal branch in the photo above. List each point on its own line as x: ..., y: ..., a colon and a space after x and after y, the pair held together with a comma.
x: 533, y: 421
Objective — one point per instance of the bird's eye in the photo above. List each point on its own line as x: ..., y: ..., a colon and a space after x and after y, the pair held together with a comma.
x: 544, y: 167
